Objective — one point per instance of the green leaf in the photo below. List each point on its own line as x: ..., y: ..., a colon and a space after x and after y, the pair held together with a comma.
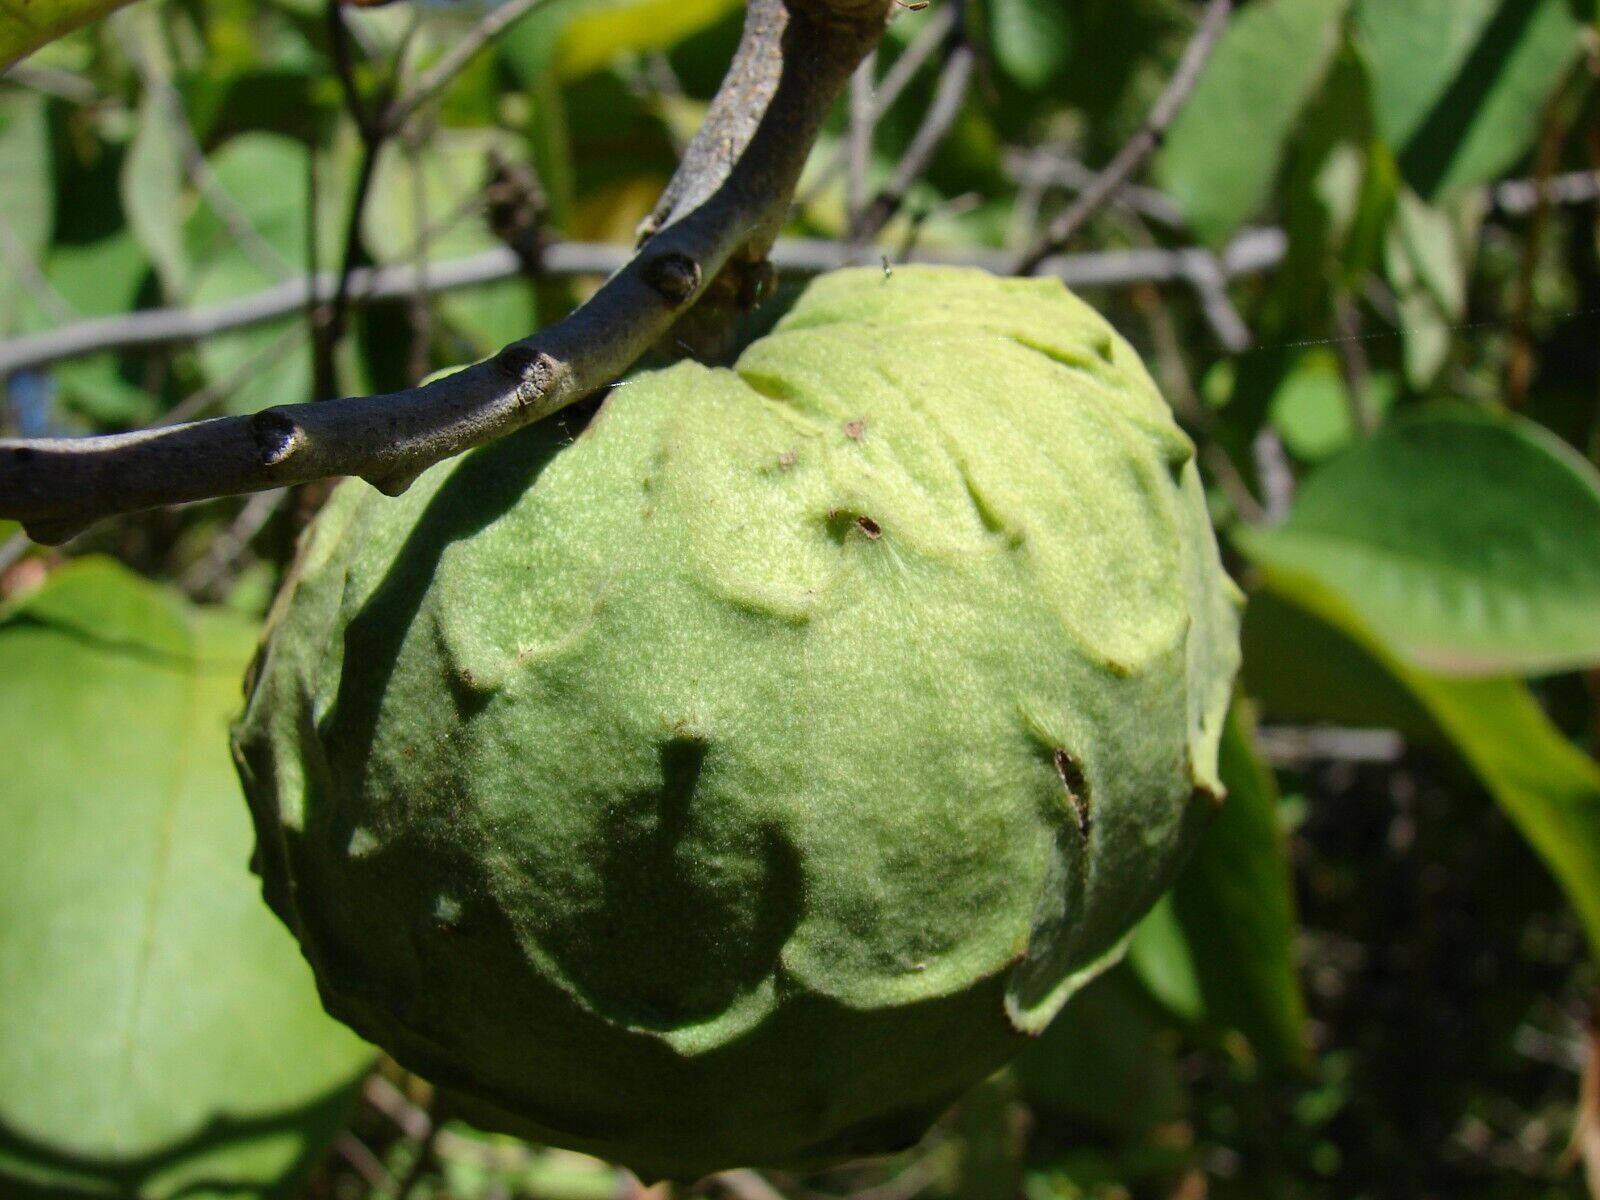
x: 264, y: 176
x: 1235, y: 905
x: 25, y: 25
x: 1159, y: 954
x: 574, y: 37
x: 1427, y: 254
x: 1310, y: 657
x: 159, y: 1032
x: 1310, y: 408
x: 28, y: 194
x: 1105, y: 1059
x: 1470, y: 543
x: 1225, y: 148
x: 1458, y: 85
x: 1031, y: 39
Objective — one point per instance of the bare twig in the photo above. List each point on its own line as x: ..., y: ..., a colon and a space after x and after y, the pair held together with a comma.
x: 863, y: 118
x: 1585, y: 1144
x: 1132, y: 156
x: 1251, y: 253
x: 13, y: 548
x: 1211, y: 287
x: 16, y: 258
x: 1275, y: 475
x: 439, y: 76
x: 52, y: 81
x: 328, y: 319
x: 722, y: 208
x: 1353, y: 364
x: 412, y: 1119
x: 1296, y: 745
x: 1045, y: 168
x: 1519, y: 197
x: 1519, y: 364
x: 895, y: 81
x: 367, y: 1164
x: 201, y: 581
x: 948, y: 97
x: 153, y: 65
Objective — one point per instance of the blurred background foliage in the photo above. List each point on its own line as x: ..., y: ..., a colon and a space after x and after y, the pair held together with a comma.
x: 1364, y: 266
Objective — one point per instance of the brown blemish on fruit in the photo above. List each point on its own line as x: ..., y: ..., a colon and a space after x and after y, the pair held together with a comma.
x: 856, y: 430
x: 1070, y: 771
x: 869, y: 527
x: 787, y: 459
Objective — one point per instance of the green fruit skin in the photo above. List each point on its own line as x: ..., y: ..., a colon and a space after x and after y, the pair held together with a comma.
x: 739, y: 780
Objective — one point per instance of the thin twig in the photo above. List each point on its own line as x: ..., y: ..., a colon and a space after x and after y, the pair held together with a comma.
x: 948, y: 96
x: 153, y: 65
x: 1275, y: 475
x: 1519, y: 197
x: 723, y: 208
x: 460, y: 55
x: 201, y: 580
x: 13, y: 548
x: 895, y: 81
x: 366, y: 1163
x: 17, y: 259
x: 52, y: 81
x: 419, y: 312
x: 1353, y: 363
x: 1251, y: 253
x: 1519, y: 365
x: 863, y: 119
x: 200, y: 401
x: 1132, y: 156
x: 1047, y: 168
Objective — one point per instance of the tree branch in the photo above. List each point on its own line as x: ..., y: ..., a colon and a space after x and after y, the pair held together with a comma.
x: 1139, y: 148
x: 727, y: 201
x: 1252, y: 252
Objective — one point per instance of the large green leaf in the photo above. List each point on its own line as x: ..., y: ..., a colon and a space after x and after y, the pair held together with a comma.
x: 159, y: 1031
x: 1458, y: 85
x: 1235, y: 905
x: 1310, y: 657
x: 1470, y: 543
x: 1224, y: 150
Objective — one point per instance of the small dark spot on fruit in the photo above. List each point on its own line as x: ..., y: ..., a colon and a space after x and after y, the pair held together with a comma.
x: 1070, y: 771
x: 787, y: 459
x: 1120, y: 669
x: 857, y: 429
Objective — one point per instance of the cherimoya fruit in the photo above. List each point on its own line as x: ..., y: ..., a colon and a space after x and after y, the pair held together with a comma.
x: 741, y: 779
